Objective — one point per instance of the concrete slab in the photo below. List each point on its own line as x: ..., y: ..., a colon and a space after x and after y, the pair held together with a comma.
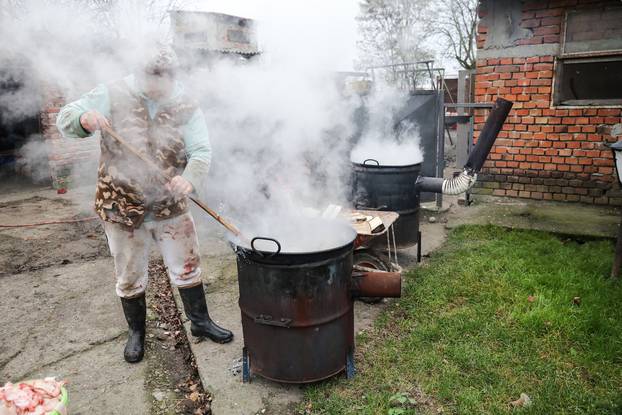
x: 66, y: 322
x: 101, y: 381
x: 558, y: 217
x: 59, y: 312
x: 55, y: 313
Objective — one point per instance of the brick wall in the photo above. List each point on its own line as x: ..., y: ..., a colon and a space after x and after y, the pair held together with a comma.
x: 70, y: 160
x: 543, y: 151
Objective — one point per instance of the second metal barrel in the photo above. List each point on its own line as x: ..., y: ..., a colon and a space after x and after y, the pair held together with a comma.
x: 391, y: 188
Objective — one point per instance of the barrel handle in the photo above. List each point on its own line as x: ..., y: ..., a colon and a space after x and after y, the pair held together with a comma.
x: 263, y: 238
x: 269, y: 321
x: 379, y: 208
x: 374, y: 160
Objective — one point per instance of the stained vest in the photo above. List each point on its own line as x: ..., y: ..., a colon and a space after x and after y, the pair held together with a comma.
x: 126, y: 188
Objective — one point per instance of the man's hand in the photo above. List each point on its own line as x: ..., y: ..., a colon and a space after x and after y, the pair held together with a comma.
x: 92, y: 121
x: 179, y: 186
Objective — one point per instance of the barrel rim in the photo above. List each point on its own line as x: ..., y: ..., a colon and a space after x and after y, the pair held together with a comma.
x: 291, y: 258
x: 381, y: 166
x: 237, y: 245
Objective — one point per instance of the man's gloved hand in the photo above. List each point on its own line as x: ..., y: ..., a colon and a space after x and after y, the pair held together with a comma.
x: 179, y: 186
x: 92, y: 121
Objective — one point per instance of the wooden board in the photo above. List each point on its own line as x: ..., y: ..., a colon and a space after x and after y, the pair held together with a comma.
x: 363, y: 227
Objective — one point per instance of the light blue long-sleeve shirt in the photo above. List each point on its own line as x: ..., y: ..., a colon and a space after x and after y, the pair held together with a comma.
x: 195, y: 133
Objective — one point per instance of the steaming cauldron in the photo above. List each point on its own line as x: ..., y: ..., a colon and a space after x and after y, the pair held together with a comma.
x: 392, y: 188
x: 297, y: 307
x: 296, y: 300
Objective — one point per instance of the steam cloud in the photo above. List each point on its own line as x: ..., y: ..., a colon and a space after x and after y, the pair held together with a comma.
x: 69, y: 46
x: 281, y: 130
x: 385, y: 140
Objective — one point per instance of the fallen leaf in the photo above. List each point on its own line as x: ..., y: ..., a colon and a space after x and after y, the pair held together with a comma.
x: 531, y: 298
x: 523, y: 402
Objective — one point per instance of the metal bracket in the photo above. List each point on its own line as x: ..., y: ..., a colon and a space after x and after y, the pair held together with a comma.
x: 246, y: 366
x: 350, y: 369
x: 379, y: 208
x: 269, y: 321
x: 419, y: 246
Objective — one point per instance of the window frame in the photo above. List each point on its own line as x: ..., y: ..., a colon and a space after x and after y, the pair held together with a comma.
x: 564, y: 57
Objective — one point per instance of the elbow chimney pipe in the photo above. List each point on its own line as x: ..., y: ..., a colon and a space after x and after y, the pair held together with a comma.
x: 489, y: 134
x: 467, y: 178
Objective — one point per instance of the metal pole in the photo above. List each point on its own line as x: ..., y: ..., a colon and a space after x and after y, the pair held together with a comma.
x: 440, y: 144
x: 488, y: 134
x: 462, y: 137
x: 617, y: 259
x: 467, y: 195
x: 419, y: 246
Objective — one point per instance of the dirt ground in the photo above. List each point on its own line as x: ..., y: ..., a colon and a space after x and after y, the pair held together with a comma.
x: 173, y: 379
x: 31, y: 249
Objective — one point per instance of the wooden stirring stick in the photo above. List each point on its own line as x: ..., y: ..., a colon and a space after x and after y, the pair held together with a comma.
x: 230, y: 227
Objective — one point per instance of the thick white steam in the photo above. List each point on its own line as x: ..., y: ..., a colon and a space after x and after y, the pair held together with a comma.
x: 280, y: 127
x: 67, y: 46
x: 386, y: 140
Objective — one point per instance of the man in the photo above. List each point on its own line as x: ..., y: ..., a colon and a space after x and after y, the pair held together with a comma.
x: 150, y: 111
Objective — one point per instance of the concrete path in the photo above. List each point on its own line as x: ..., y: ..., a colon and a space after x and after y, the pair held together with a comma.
x: 59, y: 312
x: 558, y: 217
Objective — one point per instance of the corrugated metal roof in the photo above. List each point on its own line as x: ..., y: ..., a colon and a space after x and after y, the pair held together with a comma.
x: 228, y: 50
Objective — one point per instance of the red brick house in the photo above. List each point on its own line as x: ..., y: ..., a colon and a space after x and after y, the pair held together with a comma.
x: 560, y: 61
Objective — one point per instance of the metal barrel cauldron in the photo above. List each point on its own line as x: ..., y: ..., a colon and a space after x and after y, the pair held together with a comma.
x: 297, y: 310
x: 392, y: 188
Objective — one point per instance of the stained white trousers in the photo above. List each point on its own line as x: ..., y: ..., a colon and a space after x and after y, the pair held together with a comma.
x: 176, y: 239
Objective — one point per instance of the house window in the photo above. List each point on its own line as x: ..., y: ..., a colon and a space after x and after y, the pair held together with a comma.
x: 584, y: 81
x: 589, y: 68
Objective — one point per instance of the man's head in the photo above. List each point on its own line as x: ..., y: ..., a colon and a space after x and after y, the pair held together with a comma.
x: 158, y: 77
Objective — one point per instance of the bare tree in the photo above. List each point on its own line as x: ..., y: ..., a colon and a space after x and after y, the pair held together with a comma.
x: 392, y: 31
x: 401, y: 31
x: 457, y: 24
x: 12, y: 9
x: 116, y: 16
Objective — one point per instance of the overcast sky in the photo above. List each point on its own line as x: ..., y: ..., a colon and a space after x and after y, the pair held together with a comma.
x: 326, y: 25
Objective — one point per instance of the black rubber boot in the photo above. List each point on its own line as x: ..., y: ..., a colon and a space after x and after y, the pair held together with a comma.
x: 135, y: 310
x: 201, y: 323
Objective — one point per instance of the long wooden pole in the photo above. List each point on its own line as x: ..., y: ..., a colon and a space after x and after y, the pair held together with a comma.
x: 230, y: 227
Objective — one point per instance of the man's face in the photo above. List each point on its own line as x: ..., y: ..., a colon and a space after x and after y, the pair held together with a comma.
x: 158, y: 86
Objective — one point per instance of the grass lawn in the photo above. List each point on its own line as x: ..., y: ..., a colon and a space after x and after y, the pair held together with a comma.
x: 492, y: 315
